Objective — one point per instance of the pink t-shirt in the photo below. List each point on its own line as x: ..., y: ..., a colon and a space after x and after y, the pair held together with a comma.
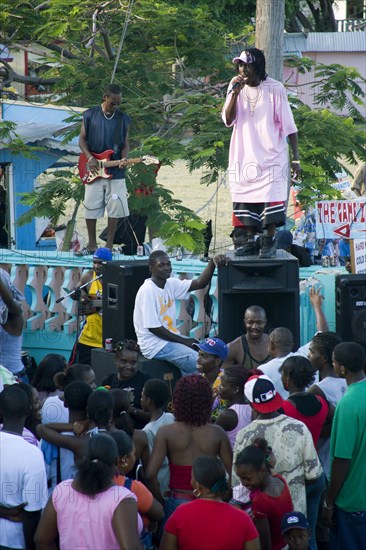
x: 258, y: 168
x: 84, y: 521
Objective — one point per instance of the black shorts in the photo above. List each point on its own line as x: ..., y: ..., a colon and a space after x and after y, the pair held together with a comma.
x: 259, y: 215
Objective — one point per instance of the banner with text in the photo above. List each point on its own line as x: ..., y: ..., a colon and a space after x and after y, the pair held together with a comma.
x: 358, y: 256
x: 341, y: 219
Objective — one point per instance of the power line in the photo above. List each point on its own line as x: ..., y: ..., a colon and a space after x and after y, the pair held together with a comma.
x: 124, y: 30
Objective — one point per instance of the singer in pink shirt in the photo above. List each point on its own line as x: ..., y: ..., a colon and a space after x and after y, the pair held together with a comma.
x: 258, y: 110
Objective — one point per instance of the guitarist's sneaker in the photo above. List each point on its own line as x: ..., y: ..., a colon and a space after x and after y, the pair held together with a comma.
x: 85, y: 251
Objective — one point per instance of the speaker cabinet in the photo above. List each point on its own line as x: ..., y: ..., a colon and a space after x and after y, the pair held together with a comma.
x: 272, y: 284
x: 351, y: 308
x: 121, y: 281
x: 162, y: 370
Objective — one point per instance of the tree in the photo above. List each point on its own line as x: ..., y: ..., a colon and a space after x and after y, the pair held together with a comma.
x: 318, y: 17
x: 174, y: 68
x: 270, y: 22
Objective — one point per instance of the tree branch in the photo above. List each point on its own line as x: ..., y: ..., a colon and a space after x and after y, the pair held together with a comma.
x: 61, y: 51
x: 8, y: 73
x: 304, y: 21
x: 43, y: 6
x: 100, y: 50
x: 107, y: 43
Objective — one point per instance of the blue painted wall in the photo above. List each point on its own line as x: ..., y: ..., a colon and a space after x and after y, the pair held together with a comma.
x: 26, y: 170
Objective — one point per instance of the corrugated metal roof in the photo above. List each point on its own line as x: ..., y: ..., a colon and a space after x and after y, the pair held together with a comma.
x: 325, y: 42
x: 43, y: 135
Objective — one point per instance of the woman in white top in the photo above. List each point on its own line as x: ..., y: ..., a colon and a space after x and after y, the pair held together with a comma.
x: 238, y: 414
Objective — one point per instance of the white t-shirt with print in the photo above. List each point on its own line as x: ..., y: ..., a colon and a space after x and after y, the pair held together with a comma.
x: 22, y: 479
x: 155, y: 307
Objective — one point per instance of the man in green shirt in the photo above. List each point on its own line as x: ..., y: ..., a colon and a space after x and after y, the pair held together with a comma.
x: 344, y: 507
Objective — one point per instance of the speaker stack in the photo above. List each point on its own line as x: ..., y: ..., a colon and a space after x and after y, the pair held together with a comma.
x: 272, y: 284
x: 351, y: 308
x: 121, y: 281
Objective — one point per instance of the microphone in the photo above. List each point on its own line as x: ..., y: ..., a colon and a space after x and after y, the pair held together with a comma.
x: 234, y: 87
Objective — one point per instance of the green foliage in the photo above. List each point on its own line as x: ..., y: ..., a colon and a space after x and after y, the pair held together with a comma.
x: 166, y: 216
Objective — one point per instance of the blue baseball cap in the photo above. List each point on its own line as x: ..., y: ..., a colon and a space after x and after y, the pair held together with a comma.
x: 213, y: 346
x: 103, y: 254
x: 294, y: 520
x: 284, y: 239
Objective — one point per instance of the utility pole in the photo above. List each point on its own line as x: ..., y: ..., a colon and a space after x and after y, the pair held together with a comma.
x: 269, y: 30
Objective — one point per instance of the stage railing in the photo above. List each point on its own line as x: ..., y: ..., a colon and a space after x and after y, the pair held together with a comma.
x: 45, y: 276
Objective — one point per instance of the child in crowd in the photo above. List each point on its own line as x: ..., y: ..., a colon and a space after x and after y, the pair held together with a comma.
x: 154, y: 397
x: 269, y: 494
x: 295, y: 530
x: 43, y: 380
x: 150, y: 509
x: 128, y: 377
x: 122, y: 420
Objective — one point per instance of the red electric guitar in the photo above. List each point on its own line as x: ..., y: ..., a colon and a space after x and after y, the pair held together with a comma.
x: 101, y: 171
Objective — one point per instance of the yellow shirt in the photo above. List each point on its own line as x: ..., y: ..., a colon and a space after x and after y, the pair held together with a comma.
x: 91, y: 333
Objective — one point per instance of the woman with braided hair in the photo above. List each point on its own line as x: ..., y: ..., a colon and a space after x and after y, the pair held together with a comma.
x: 208, y: 523
x: 269, y: 493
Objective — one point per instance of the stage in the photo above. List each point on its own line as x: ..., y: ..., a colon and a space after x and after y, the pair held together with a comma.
x: 46, y: 275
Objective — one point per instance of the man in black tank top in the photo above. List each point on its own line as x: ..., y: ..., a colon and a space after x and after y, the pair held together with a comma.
x: 105, y: 127
x: 250, y: 349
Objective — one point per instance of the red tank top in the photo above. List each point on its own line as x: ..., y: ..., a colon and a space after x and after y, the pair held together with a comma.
x: 180, y: 477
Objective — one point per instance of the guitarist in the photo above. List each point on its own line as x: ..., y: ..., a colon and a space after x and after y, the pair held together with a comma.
x: 105, y: 127
x: 91, y: 333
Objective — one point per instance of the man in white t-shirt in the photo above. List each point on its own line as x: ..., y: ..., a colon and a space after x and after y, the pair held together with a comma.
x: 23, y: 483
x: 154, y: 315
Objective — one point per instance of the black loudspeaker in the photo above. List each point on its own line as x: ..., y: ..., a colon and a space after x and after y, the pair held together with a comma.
x: 272, y: 284
x: 161, y: 369
x: 121, y: 281
x: 351, y: 308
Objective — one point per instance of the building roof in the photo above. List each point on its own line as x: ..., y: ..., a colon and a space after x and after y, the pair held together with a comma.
x: 297, y: 43
x: 44, y: 135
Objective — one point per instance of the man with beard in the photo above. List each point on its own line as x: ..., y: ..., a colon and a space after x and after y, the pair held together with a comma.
x: 250, y: 349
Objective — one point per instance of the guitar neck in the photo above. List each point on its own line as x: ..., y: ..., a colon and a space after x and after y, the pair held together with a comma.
x: 130, y: 162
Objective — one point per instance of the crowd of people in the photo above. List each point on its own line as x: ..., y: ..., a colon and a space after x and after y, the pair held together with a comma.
x: 259, y: 447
